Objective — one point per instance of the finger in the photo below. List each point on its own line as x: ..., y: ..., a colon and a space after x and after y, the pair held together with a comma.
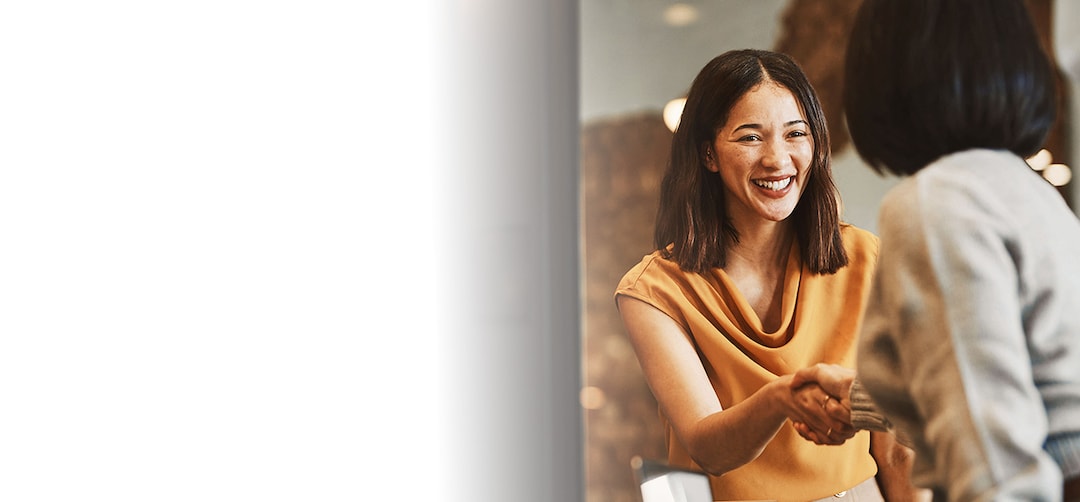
x: 807, y: 433
x: 817, y: 432
x: 828, y: 436
x: 842, y: 432
x: 803, y: 430
x: 838, y: 408
x: 812, y: 404
x: 817, y: 421
x: 838, y: 413
x: 842, y: 437
x: 844, y: 429
x: 834, y: 437
x: 835, y: 415
x: 825, y: 401
x: 823, y: 440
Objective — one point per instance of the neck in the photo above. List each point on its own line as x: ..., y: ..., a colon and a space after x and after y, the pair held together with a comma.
x: 757, y: 266
x: 765, y: 245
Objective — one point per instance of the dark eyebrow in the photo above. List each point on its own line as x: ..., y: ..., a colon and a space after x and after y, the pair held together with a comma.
x: 747, y: 126
x: 758, y: 126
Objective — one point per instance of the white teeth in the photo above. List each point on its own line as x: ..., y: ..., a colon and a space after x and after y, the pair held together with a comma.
x: 773, y: 185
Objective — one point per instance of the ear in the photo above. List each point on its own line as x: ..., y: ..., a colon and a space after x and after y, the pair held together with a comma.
x: 710, y: 160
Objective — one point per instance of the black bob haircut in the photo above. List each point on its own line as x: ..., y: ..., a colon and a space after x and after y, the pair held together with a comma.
x: 926, y: 78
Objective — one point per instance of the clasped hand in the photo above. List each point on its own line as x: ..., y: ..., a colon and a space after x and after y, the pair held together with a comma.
x: 823, y: 406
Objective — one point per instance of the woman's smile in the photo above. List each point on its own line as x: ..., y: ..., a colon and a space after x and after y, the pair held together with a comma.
x: 774, y: 187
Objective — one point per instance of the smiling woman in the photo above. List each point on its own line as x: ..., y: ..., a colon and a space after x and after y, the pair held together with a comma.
x: 748, y: 244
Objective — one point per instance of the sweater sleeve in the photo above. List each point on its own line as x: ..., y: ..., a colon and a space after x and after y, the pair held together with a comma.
x: 864, y: 415
x: 944, y: 353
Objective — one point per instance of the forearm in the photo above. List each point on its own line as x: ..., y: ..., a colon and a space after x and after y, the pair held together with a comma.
x: 894, y: 462
x: 718, y: 438
x: 737, y: 435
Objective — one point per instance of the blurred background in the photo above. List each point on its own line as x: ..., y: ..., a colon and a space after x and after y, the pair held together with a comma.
x: 635, y: 58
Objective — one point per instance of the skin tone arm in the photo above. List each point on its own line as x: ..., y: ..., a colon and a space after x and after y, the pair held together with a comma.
x: 718, y: 439
x: 894, y: 462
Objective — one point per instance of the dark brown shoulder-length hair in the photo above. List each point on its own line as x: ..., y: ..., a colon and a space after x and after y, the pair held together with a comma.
x: 926, y: 78
x: 693, y: 218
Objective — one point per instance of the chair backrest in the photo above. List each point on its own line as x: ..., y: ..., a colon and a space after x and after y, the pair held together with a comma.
x: 660, y: 482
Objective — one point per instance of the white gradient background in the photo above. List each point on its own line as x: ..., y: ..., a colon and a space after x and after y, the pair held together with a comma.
x: 318, y: 250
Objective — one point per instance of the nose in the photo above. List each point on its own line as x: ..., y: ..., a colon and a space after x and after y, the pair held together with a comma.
x: 778, y: 155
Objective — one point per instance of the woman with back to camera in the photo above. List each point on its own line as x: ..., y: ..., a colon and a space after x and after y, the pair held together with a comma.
x: 755, y: 277
x: 971, y: 342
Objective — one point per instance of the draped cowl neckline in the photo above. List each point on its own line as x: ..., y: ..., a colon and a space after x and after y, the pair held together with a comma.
x: 739, y: 311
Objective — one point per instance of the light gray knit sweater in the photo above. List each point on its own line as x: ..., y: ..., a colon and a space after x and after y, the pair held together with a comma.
x: 971, y: 341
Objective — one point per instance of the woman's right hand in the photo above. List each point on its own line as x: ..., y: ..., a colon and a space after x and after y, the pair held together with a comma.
x: 819, y: 416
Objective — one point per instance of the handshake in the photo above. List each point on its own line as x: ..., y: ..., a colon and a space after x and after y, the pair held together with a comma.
x: 831, y: 405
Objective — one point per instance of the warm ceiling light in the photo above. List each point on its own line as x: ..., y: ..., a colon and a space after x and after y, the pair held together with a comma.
x: 680, y: 14
x: 1058, y: 175
x: 673, y: 113
x: 1040, y: 160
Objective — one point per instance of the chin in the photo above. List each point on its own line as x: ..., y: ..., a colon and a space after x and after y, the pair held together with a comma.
x: 777, y: 216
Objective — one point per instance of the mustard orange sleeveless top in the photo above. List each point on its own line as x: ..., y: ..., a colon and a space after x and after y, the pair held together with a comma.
x: 822, y: 315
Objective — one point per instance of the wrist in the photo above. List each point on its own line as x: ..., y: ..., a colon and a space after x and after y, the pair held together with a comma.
x: 781, y: 397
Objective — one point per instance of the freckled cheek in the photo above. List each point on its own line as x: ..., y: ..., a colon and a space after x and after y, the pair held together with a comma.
x: 742, y: 160
x: 806, y: 156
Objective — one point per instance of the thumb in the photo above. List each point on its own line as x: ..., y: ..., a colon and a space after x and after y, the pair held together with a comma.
x: 804, y: 376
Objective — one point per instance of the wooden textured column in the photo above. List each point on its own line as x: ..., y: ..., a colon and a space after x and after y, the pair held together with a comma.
x: 622, y: 162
